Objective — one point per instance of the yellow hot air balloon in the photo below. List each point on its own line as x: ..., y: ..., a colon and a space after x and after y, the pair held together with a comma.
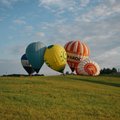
x: 55, y: 57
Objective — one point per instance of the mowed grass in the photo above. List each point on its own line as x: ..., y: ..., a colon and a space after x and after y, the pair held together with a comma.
x: 69, y: 97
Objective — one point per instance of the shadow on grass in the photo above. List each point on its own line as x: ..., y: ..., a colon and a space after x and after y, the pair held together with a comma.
x: 96, y: 82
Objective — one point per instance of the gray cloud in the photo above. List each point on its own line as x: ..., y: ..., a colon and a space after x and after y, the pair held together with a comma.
x: 109, y: 58
x: 10, y: 67
x: 101, y: 36
x: 14, y: 67
x: 17, y: 50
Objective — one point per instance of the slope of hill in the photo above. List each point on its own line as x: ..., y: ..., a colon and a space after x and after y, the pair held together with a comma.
x: 60, y: 98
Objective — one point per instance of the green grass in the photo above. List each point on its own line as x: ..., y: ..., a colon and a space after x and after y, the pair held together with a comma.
x: 60, y: 98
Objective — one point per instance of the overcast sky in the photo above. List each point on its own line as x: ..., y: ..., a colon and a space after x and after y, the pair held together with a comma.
x: 96, y: 22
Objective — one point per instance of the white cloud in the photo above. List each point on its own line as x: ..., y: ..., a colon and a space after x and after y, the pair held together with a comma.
x: 1, y: 19
x: 64, y: 3
x: 111, y: 1
x: 101, y: 36
x: 8, y: 3
x: 51, y: 2
x: 61, y: 6
x: 25, y: 30
x: 101, y: 11
x: 19, y: 21
x: 97, y: 25
x: 17, y: 50
x: 109, y: 58
x: 28, y: 28
x: 40, y: 34
x: 84, y: 3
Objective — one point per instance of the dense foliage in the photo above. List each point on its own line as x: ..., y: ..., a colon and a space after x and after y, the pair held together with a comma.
x: 108, y: 71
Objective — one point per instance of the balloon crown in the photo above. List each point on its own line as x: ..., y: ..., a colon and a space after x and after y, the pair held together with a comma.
x: 50, y: 46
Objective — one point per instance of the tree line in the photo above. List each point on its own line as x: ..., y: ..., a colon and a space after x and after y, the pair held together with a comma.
x: 108, y: 71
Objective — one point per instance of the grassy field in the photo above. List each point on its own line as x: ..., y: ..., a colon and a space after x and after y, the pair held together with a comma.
x: 60, y: 98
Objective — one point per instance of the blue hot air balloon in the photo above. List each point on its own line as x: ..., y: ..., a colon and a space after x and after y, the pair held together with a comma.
x: 35, y: 54
x: 26, y: 65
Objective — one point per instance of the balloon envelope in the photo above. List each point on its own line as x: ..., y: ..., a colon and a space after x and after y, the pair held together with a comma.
x: 55, y: 57
x: 76, y: 52
x: 26, y: 65
x: 35, y: 54
x: 88, y: 67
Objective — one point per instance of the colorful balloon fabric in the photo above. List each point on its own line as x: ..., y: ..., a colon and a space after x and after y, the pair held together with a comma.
x: 35, y: 54
x: 26, y: 65
x: 88, y: 67
x: 76, y: 52
x: 55, y: 57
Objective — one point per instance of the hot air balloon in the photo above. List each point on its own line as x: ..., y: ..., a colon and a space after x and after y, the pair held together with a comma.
x: 55, y: 57
x: 26, y: 65
x: 76, y: 52
x: 35, y: 54
x: 88, y: 67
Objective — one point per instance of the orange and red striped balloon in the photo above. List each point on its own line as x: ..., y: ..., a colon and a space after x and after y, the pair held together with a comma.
x: 76, y: 52
x: 88, y: 67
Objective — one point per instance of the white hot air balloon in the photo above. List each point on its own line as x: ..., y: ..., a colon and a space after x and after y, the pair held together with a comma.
x: 88, y: 67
